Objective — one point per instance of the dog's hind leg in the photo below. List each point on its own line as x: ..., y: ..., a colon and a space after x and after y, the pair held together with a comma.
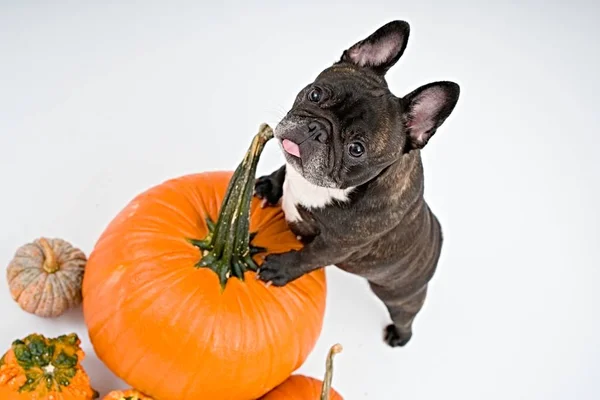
x: 403, y: 310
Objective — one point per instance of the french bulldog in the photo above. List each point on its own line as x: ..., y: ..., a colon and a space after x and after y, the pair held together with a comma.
x: 352, y: 185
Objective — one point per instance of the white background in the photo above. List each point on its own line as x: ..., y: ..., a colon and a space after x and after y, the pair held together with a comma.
x: 99, y: 102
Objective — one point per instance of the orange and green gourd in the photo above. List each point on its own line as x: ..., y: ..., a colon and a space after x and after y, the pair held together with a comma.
x: 40, y: 368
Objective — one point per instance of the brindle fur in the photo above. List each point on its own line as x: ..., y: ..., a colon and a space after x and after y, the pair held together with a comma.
x: 385, y: 232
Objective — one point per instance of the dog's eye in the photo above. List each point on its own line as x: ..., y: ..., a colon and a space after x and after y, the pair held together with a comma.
x: 315, y: 95
x: 356, y: 149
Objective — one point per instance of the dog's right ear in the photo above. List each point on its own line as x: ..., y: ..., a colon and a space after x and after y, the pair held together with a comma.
x: 382, y: 49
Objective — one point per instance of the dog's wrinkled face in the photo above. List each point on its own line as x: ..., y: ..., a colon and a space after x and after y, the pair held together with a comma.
x: 346, y: 127
x: 338, y: 130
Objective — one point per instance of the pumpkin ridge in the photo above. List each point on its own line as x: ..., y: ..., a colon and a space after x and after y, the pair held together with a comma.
x: 21, y: 255
x: 71, y: 282
x: 73, y: 264
x: 298, y: 292
x: 62, y: 291
x: 188, y: 220
x: 70, y: 294
x: 22, y: 287
x: 286, y: 311
x: 272, y: 295
x: 135, y: 294
x: 105, y: 325
x: 23, y: 268
x: 43, y: 284
x: 51, y: 284
x: 65, y: 253
x: 268, y: 326
x: 198, y: 203
x: 155, y: 200
x: 62, y: 294
x: 139, y: 359
x: 122, y: 331
x: 274, y: 220
x: 135, y: 227
x: 188, y: 386
x: 36, y: 282
x: 133, y: 299
x: 176, y: 253
x: 181, y: 349
x: 152, y: 224
x: 140, y: 236
x: 58, y: 289
x: 196, y: 325
x: 30, y: 251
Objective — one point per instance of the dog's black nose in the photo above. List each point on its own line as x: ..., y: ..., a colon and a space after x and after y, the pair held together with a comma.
x: 318, y: 131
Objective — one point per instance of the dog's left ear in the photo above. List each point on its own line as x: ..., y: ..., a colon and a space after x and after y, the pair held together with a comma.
x: 382, y: 49
x: 426, y: 109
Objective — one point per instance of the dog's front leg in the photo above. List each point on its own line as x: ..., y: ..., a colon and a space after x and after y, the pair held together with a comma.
x: 282, y: 268
x: 269, y: 188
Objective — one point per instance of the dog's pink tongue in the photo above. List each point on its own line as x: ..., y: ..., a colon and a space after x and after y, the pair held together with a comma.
x: 291, y: 147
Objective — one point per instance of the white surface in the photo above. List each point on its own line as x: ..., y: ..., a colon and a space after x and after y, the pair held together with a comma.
x: 97, y: 103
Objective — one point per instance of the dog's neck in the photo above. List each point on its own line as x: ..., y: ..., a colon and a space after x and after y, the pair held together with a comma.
x: 297, y: 191
x: 404, y: 178
x: 400, y: 183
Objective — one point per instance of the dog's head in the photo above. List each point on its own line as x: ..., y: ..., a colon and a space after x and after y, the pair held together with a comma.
x: 346, y: 127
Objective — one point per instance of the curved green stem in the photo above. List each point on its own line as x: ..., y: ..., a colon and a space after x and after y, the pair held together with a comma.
x: 226, y: 249
x: 326, y: 391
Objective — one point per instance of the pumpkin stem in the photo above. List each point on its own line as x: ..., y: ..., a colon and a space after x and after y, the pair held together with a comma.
x: 50, y: 263
x: 326, y: 390
x: 226, y: 249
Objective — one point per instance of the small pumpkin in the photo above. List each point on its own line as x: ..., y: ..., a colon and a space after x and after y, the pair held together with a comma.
x: 45, y: 277
x: 129, y: 394
x: 171, y: 299
x: 40, y: 368
x: 300, y: 387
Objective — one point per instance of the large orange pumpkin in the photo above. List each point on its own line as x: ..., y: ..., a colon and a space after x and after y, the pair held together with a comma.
x: 300, y: 387
x: 171, y: 299
x: 40, y: 368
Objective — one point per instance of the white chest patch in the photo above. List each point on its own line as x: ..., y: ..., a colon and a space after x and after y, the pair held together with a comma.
x: 299, y: 191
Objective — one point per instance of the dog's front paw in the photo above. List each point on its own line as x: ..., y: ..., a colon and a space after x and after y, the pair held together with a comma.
x: 268, y: 189
x: 396, y: 338
x: 280, y: 269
